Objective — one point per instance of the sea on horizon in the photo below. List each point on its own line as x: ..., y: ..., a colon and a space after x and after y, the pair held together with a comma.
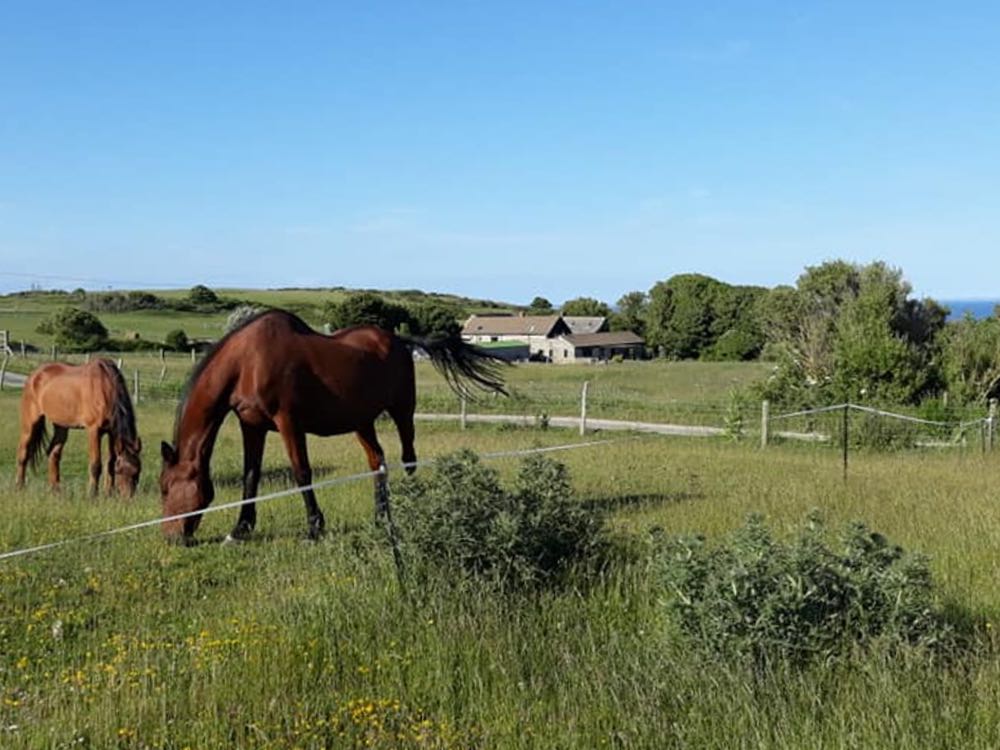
x: 979, y: 308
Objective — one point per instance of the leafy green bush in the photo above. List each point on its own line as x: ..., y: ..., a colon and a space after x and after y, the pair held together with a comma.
x: 75, y: 330
x: 458, y: 517
x: 177, y: 340
x: 754, y: 596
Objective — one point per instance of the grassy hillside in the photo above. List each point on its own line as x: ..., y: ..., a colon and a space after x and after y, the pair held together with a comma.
x: 21, y: 313
x: 279, y: 644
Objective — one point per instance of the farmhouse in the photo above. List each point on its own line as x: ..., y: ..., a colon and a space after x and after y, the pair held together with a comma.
x: 552, y: 338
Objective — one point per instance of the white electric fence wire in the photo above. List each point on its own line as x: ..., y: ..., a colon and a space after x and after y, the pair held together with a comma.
x: 880, y: 413
x: 285, y: 493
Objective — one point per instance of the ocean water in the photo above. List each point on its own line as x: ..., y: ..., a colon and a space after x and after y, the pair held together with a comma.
x: 980, y: 308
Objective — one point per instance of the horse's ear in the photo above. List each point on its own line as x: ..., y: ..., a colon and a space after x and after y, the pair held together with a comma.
x: 168, y: 453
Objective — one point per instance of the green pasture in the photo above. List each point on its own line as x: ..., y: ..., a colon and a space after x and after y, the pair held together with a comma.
x: 278, y: 643
x: 21, y: 314
x: 653, y: 391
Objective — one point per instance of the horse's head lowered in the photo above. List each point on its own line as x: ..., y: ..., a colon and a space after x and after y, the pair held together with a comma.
x: 128, y: 465
x: 183, y: 489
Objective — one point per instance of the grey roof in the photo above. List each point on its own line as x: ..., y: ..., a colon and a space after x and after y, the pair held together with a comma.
x: 612, y: 338
x: 512, y: 325
x: 585, y: 323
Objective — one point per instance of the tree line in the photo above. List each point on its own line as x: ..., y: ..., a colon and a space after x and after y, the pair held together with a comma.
x: 842, y: 332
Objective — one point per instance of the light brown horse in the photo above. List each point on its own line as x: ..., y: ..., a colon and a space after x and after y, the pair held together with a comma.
x: 92, y: 396
x: 277, y: 374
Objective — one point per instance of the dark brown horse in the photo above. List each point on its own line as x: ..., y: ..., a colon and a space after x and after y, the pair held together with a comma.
x: 92, y: 396
x: 277, y: 374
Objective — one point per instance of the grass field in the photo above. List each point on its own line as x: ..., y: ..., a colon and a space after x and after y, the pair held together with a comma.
x: 686, y: 392
x: 278, y: 643
x: 21, y: 314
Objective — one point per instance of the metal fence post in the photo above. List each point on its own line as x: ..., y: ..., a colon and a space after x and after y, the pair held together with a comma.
x: 992, y: 423
x: 583, y: 407
x: 765, y: 424
x: 843, y: 439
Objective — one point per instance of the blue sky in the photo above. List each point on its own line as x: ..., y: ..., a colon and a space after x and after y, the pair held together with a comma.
x: 500, y: 150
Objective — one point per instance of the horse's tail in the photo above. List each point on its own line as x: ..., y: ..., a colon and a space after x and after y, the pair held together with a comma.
x: 462, y: 364
x: 39, y: 436
x: 122, y: 412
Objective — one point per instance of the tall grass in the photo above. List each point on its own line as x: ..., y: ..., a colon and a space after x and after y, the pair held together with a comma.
x: 279, y: 643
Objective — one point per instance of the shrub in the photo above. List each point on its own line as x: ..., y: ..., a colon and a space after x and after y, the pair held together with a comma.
x: 75, y: 330
x: 754, y: 596
x: 460, y: 518
x: 202, y: 295
x: 239, y: 316
x: 177, y: 340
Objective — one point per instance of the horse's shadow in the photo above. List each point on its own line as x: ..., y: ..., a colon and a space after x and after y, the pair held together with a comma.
x: 639, y: 500
x: 275, y: 474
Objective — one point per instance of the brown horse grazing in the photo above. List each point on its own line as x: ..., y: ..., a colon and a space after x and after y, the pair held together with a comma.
x: 277, y: 374
x: 92, y: 396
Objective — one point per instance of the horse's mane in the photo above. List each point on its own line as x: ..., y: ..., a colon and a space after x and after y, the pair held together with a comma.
x: 299, y: 325
x: 122, y: 413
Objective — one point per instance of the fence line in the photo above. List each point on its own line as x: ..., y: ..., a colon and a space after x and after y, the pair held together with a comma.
x: 322, y: 484
x: 880, y: 413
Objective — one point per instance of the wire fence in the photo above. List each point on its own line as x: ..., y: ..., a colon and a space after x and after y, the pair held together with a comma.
x: 543, y: 399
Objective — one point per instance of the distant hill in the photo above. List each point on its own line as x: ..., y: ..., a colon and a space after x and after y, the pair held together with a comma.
x: 21, y: 312
x: 979, y: 308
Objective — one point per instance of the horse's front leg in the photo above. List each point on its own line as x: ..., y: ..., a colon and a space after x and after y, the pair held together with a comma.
x: 298, y: 456
x: 253, y: 456
x: 94, y: 450
x: 109, y: 479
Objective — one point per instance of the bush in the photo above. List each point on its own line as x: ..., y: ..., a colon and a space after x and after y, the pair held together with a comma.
x: 75, y: 330
x: 239, y: 316
x: 177, y: 340
x: 202, y: 295
x: 459, y: 518
x: 753, y: 596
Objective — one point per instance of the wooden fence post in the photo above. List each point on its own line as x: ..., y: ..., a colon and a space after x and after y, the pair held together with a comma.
x: 583, y: 407
x: 163, y: 365
x: 53, y: 351
x: 135, y: 380
x: 765, y: 423
x: 463, y: 411
x: 3, y: 369
x: 192, y: 355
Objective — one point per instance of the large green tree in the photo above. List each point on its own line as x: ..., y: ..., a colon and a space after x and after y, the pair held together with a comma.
x: 586, y: 307
x: 631, y: 313
x: 692, y: 315
x: 365, y: 308
x: 852, y: 332
x: 971, y: 359
x: 434, y: 319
